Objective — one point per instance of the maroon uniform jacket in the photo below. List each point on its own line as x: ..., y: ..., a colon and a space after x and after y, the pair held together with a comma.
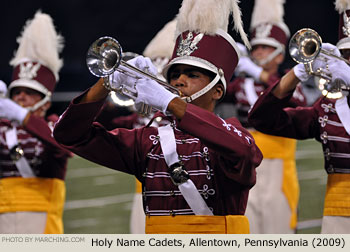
x: 270, y: 115
x: 135, y: 120
x: 237, y: 94
x: 220, y: 157
x: 128, y: 122
x: 46, y: 158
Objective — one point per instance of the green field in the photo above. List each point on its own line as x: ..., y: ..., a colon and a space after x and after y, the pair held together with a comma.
x: 99, y: 199
x: 312, y: 180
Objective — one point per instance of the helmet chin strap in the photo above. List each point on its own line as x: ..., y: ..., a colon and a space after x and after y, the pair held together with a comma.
x: 40, y: 103
x: 270, y: 57
x: 219, y: 75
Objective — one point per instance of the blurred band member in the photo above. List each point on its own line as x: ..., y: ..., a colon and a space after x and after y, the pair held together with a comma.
x: 33, y: 165
x: 328, y: 121
x: 272, y: 203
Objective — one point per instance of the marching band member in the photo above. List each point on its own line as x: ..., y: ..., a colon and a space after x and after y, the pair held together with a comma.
x: 197, y: 170
x: 272, y: 203
x: 33, y: 165
x: 328, y: 121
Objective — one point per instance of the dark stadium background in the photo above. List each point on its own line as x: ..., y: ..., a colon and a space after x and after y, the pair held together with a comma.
x: 133, y: 23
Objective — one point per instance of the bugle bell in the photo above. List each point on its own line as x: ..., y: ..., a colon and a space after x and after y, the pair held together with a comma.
x: 304, y: 46
x: 105, y: 56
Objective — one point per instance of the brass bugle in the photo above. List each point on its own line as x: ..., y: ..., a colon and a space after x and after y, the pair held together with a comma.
x: 104, y: 57
x: 306, y: 44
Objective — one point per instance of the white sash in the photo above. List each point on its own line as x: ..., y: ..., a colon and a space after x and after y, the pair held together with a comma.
x: 343, y: 111
x: 22, y: 164
x: 188, y: 189
x: 249, y: 89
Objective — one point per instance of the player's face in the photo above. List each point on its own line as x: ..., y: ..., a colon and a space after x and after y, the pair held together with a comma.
x: 345, y: 53
x: 261, y: 52
x: 189, y: 80
x: 25, y: 97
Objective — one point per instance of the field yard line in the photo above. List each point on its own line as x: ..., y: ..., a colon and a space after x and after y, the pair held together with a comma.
x: 307, y: 154
x: 77, y: 157
x: 314, y: 174
x: 89, y: 222
x: 98, y: 202
x: 90, y: 172
x: 309, y: 224
x: 104, y: 180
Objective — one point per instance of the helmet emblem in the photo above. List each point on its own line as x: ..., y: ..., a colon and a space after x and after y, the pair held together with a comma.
x: 346, y: 27
x: 263, y: 31
x: 188, y: 45
x: 28, y: 71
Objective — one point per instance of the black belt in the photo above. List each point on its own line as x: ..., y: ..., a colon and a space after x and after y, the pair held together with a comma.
x: 331, y: 170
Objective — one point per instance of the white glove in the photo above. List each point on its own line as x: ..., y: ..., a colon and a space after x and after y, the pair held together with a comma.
x: 247, y: 66
x: 12, y: 111
x: 151, y: 93
x: 300, y: 72
x: 332, y: 49
x: 320, y: 62
x: 242, y: 50
x: 322, y: 59
x: 3, y: 89
x: 339, y: 70
x: 145, y: 64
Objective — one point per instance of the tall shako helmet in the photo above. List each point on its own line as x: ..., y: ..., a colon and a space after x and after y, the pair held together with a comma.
x: 36, y: 62
x: 343, y: 7
x: 268, y: 28
x: 202, y: 39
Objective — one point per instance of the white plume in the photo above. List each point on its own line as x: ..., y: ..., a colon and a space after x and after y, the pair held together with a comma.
x: 40, y: 42
x: 162, y: 44
x: 207, y: 16
x: 271, y: 11
x: 342, y: 5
